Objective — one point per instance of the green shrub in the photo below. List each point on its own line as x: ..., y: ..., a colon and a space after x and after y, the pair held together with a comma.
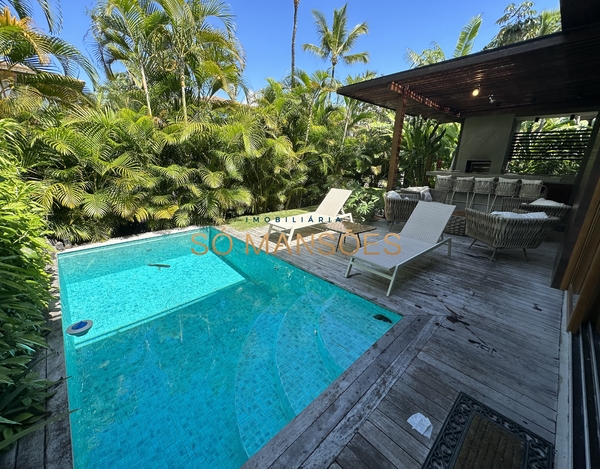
x: 365, y: 203
x: 24, y: 293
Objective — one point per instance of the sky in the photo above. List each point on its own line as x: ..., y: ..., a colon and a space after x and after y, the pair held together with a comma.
x: 264, y: 28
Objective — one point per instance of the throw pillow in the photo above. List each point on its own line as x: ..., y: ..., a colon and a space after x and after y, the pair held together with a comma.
x: 530, y: 188
x: 444, y: 183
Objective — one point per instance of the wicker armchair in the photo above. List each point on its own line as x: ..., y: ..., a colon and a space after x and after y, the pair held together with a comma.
x: 559, y: 211
x: 507, y: 233
x: 399, y: 210
x: 511, y: 203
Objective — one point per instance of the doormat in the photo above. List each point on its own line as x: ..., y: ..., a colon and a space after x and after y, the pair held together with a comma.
x: 477, y: 437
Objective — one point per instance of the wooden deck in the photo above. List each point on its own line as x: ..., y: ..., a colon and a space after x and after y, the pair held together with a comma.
x: 490, y: 329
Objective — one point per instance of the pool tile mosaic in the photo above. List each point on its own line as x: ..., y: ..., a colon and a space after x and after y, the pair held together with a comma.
x: 207, y: 381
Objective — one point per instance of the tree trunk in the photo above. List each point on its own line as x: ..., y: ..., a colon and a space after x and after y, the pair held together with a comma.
x: 183, y: 102
x: 310, y: 115
x: 346, y: 124
x: 333, y: 64
x: 296, y: 3
x: 147, y: 93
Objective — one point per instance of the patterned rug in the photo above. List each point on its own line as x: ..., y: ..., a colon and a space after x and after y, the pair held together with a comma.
x: 477, y: 437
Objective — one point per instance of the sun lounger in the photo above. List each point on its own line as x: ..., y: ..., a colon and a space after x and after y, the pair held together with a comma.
x: 421, y: 234
x: 330, y: 210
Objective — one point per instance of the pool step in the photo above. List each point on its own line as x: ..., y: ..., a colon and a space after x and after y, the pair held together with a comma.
x: 261, y: 405
x: 347, y: 335
x: 303, y: 372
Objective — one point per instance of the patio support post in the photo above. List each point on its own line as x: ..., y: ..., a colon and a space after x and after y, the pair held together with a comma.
x: 396, y: 140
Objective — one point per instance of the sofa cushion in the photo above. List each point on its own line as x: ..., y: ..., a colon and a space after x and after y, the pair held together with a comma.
x: 520, y: 215
x: 550, y: 203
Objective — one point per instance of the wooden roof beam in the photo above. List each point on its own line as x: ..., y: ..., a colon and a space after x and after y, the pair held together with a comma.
x: 404, y: 90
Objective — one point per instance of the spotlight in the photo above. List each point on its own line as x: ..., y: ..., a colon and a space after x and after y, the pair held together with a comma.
x: 475, y: 91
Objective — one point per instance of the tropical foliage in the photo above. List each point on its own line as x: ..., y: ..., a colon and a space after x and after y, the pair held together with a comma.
x: 422, y: 143
x: 464, y: 46
x: 550, y: 146
x: 24, y: 284
x: 522, y: 22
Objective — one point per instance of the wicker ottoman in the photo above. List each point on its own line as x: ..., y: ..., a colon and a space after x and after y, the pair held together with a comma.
x: 457, y: 224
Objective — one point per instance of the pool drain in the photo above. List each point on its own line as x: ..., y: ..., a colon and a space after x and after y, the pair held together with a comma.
x: 80, y: 328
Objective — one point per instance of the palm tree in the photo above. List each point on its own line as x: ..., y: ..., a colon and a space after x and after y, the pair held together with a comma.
x: 296, y: 3
x: 464, y: 46
x: 354, y: 110
x: 35, y: 58
x: 123, y: 31
x: 313, y: 92
x: 336, y: 43
x: 24, y: 9
x: 194, y: 47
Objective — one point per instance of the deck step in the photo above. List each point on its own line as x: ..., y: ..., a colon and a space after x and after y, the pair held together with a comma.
x: 261, y: 405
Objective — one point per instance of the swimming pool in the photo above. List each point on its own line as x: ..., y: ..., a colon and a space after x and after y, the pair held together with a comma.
x: 200, y: 363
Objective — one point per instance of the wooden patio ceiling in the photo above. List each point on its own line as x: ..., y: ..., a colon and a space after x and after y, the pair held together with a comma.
x: 559, y: 73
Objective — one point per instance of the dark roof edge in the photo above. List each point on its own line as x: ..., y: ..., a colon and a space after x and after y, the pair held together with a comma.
x: 478, y: 57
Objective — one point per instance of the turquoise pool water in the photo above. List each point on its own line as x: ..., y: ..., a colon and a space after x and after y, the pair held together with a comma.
x: 199, y: 364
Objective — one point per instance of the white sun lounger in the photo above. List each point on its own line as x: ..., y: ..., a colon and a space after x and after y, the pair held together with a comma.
x: 421, y: 234
x: 328, y: 211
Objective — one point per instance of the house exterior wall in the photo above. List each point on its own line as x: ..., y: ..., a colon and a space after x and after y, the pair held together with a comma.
x: 485, y: 139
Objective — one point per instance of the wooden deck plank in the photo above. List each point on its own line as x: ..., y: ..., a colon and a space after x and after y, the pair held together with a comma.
x: 507, y: 340
x: 541, y: 399
x: 348, y: 459
x: 397, y: 411
x: 393, y: 441
x: 436, y: 404
x: 518, y: 353
x: 515, y: 406
x: 368, y: 453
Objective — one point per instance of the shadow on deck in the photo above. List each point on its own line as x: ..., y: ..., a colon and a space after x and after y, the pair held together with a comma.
x: 489, y: 329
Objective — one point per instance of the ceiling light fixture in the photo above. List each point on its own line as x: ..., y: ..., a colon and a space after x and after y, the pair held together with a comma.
x: 475, y: 91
